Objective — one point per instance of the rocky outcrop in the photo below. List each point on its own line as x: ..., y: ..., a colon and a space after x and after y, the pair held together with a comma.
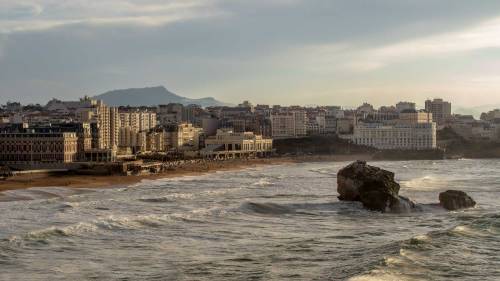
x: 372, y: 186
x: 378, y: 191
x: 455, y: 200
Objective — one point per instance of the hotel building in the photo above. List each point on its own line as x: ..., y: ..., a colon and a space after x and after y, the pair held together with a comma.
x: 38, y: 148
x: 412, y: 131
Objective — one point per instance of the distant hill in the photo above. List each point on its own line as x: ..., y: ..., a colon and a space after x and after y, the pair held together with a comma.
x: 151, y: 96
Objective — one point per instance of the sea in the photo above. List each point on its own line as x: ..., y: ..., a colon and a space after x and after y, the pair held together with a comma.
x: 278, y: 222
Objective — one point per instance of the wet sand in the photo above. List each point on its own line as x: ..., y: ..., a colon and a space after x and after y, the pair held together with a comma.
x: 85, y: 182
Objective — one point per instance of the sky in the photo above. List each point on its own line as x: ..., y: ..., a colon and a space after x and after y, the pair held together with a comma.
x: 304, y: 52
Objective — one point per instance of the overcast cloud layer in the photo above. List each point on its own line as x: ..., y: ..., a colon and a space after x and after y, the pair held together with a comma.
x: 269, y: 51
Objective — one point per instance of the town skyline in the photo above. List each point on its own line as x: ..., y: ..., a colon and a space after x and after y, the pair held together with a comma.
x: 301, y: 52
x: 420, y: 104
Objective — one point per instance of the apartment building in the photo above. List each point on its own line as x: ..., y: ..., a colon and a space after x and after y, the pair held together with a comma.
x: 440, y: 109
x: 289, y: 124
x: 183, y: 137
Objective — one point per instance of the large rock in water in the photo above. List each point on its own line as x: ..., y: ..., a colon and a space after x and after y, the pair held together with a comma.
x: 372, y: 186
x: 455, y: 200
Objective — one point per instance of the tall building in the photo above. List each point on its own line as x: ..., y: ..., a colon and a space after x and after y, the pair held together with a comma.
x: 290, y: 124
x: 441, y: 110
x: 103, y: 122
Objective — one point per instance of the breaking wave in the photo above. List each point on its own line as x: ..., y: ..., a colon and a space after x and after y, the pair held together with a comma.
x: 459, y: 252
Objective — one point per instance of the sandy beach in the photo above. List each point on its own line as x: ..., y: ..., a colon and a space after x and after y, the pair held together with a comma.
x: 82, y: 181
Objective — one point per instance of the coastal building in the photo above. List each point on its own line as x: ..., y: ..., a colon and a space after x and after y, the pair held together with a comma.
x: 34, y: 149
x: 227, y: 143
x: 420, y: 136
x: 440, y: 109
x: 411, y: 131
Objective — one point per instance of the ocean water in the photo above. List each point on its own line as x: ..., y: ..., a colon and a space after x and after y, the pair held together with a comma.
x: 280, y: 222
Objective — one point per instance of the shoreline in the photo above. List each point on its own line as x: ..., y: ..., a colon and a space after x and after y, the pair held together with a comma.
x: 194, y: 169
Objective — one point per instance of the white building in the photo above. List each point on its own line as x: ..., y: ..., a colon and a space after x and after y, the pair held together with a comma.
x: 412, y: 131
x: 227, y: 141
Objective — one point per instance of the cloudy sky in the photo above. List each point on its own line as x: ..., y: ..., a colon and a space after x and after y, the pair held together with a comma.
x: 338, y: 52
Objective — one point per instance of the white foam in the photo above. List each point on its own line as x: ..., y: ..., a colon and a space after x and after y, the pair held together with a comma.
x: 377, y: 275
x: 263, y: 182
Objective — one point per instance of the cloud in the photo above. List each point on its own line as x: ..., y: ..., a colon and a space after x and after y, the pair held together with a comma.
x: 483, y: 36
x: 47, y: 14
x: 270, y: 50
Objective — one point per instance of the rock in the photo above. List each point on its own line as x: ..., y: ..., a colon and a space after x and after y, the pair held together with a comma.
x: 372, y: 186
x: 455, y: 200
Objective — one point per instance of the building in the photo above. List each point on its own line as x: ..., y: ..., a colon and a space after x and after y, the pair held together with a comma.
x: 137, y: 119
x: 411, y: 131
x: 415, y: 117
x: 170, y: 114
x: 491, y: 115
x: 227, y: 143
x: 475, y: 130
x: 35, y: 149
x: 441, y: 110
x: 421, y: 136
x: 290, y: 124
x: 365, y: 108
x: 404, y: 105
x: 183, y: 137
x: 101, y: 119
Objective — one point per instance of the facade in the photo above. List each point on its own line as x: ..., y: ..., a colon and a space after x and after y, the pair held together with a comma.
x: 38, y: 148
x: 245, y: 144
x: 409, y: 117
x: 411, y: 131
x: 139, y: 120
x: 404, y: 105
x: 291, y: 124
x: 441, y: 110
x: 183, y: 137
x: 170, y: 114
x: 99, y: 115
x: 401, y: 136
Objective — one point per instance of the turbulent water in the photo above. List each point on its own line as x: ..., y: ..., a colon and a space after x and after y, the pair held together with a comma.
x: 279, y: 222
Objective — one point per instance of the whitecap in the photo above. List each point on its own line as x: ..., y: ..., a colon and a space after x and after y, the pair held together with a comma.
x: 263, y: 182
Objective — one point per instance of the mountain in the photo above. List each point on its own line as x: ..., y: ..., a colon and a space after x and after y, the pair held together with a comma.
x: 151, y: 96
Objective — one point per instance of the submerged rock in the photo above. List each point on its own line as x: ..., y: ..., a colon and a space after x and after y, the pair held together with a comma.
x: 455, y: 200
x: 372, y: 186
